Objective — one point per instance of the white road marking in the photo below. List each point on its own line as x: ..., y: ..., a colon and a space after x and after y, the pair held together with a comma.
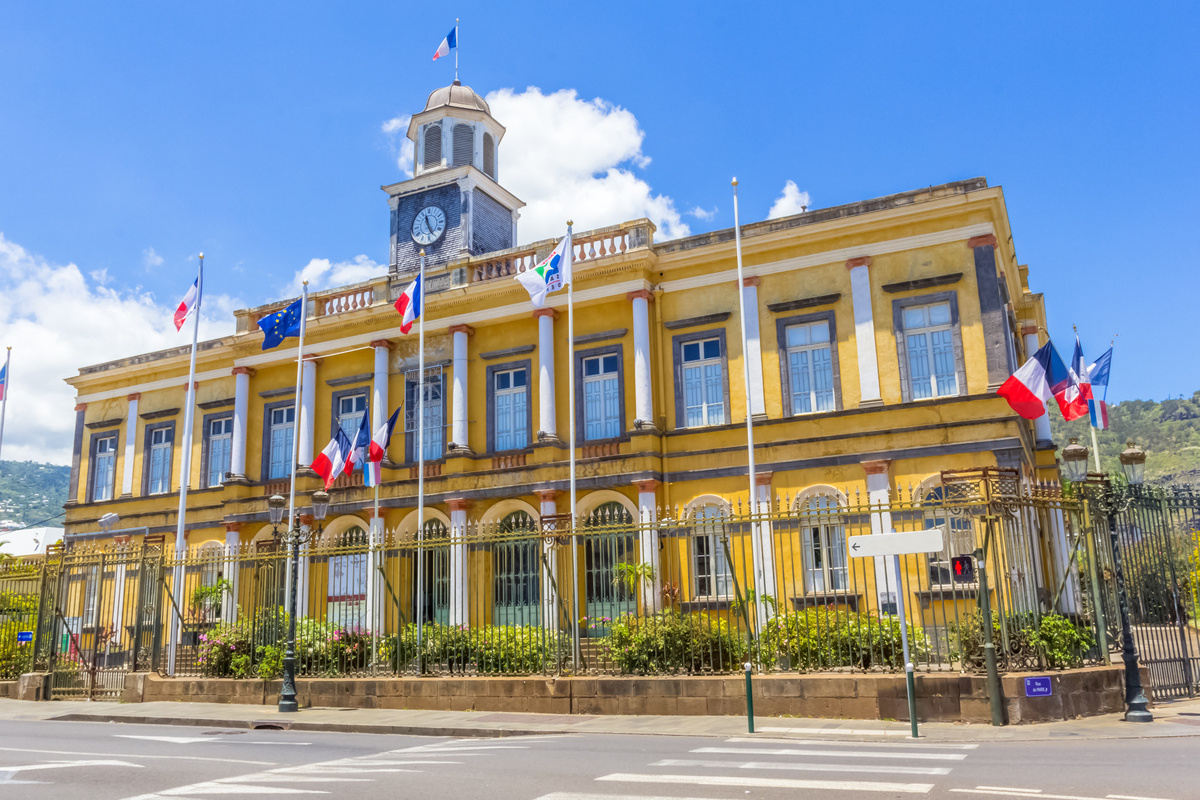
x: 1131, y: 797
x: 835, y: 743
x: 763, y: 751
x: 1040, y: 795
x: 7, y: 772
x: 138, y: 756
x: 836, y: 731
x: 219, y: 787
x: 171, y: 739
x: 772, y: 783
x: 888, y: 770
x: 1010, y: 789
x: 582, y: 796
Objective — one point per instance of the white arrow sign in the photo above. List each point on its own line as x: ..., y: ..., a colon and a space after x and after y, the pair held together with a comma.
x: 895, y: 544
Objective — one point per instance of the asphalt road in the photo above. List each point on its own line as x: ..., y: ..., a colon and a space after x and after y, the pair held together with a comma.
x: 105, y: 761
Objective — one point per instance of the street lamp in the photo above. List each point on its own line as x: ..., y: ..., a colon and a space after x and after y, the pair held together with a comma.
x: 294, y: 536
x: 1112, y: 501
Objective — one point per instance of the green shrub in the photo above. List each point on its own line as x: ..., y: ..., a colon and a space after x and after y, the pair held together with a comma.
x: 669, y: 642
x: 525, y: 649
x: 225, y: 651
x: 820, y: 638
x: 1052, y: 642
x: 16, y: 658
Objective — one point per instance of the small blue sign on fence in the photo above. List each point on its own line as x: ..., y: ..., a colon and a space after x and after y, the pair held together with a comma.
x: 1038, y: 687
x: 24, y: 636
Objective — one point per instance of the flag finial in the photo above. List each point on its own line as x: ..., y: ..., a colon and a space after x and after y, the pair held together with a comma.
x: 734, y: 181
x: 422, y: 253
x: 570, y: 222
x: 202, y: 256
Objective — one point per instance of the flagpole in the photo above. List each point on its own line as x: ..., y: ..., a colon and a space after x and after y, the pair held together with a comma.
x: 296, y: 428
x: 456, y: 48
x: 570, y: 254
x: 420, y: 298
x: 759, y: 556
x: 185, y: 466
x: 7, y: 387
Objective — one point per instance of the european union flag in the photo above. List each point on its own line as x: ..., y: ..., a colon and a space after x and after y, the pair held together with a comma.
x: 281, y: 324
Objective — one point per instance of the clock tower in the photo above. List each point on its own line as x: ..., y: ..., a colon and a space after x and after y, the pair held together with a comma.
x: 453, y: 206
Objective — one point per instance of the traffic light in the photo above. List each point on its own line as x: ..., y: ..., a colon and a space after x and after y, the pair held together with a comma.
x: 964, y: 569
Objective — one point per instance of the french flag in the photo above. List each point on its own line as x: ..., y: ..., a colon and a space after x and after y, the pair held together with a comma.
x: 373, y: 471
x: 3, y: 381
x: 410, y: 304
x: 358, y: 452
x: 332, y: 461
x: 448, y: 44
x: 191, y: 301
x: 1073, y: 397
x: 1031, y: 387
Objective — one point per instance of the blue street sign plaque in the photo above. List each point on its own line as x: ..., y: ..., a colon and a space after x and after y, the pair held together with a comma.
x: 1038, y: 687
x: 24, y: 636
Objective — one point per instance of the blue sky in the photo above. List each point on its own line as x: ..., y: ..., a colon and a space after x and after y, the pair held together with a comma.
x: 134, y: 135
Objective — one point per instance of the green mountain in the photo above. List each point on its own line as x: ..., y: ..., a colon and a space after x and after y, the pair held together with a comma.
x: 1169, y: 432
x: 32, y: 492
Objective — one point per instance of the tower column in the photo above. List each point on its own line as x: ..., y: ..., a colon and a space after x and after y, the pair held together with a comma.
x: 547, y: 423
x: 548, y: 506
x: 233, y: 547
x: 130, y: 441
x: 306, y: 418
x: 756, y: 404
x: 648, y: 543
x: 864, y: 332
x: 459, y: 588
x: 459, y: 435
x: 241, y: 413
x: 642, y: 388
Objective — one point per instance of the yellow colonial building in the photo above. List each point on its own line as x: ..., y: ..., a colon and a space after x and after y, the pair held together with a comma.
x: 876, y: 335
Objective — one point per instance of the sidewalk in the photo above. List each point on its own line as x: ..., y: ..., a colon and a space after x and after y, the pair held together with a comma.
x: 1178, y: 718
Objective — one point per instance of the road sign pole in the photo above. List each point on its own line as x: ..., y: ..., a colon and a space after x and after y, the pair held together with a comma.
x: 909, y: 680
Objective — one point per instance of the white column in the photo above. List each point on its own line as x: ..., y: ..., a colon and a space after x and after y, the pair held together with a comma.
x: 642, y: 390
x: 549, y: 507
x: 233, y: 549
x: 864, y: 331
x: 458, y: 393
x: 763, y: 544
x: 546, y: 408
x: 379, y: 387
x: 303, y: 568
x: 118, y: 608
x: 130, y: 439
x: 460, y: 607
x: 1060, y: 550
x: 758, y: 406
x: 375, y: 536
x: 1041, y: 425
x: 648, y: 544
x: 241, y: 413
x: 887, y: 581
x: 306, y: 419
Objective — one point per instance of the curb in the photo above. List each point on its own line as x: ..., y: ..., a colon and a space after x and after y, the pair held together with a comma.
x: 299, y: 725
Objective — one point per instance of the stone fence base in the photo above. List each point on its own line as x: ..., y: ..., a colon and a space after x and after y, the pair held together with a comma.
x: 940, y: 698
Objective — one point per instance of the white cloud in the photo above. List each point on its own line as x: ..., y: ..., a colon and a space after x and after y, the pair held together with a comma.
x: 791, y: 201
x: 321, y: 273
x: 396, y: 129
x: 569, y: 158
x: 703, y: 213
x: 151, y: 259
x: 57, y: 320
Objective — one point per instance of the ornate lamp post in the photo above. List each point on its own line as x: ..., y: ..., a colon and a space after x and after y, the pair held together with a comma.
x: 295, y: 536
x: 1112, y: 501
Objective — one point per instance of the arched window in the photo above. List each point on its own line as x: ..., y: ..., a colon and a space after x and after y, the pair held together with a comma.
x: 346, y: 593
x: 464, y: 144
x: 711, y: 570
x: 824, y: 544
x: 958, y: 536
x: 516, y: 583
x: 611, y: 565
x: 433, y: 146
x: 489, y: 155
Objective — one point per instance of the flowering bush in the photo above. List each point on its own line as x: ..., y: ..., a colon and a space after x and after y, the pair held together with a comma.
x: 226, y: 651
x: 669, y: 642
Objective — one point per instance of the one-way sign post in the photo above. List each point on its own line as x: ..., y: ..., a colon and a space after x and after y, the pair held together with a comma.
x: 895, y: 545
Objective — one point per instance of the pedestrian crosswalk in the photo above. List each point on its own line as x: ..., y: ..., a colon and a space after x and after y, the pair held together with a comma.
x: 780, y: 767
x: 329, y: 777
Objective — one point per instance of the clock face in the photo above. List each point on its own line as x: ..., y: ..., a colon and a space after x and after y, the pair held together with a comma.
x: 429, y: 225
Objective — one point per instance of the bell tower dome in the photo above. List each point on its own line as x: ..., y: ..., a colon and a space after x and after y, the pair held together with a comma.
x: 453, y: 206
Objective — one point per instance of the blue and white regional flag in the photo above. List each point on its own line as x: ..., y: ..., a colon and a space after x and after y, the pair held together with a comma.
x: 548, y: 275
